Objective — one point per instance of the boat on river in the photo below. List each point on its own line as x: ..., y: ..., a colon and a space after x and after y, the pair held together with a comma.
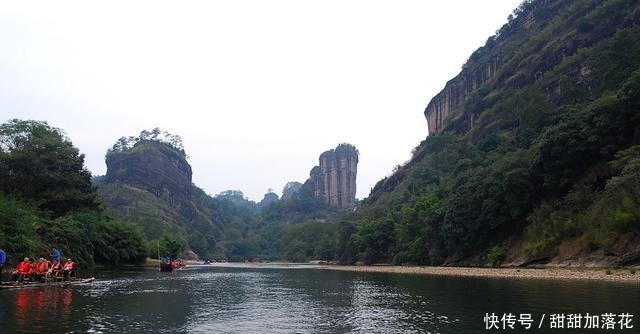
x: 171, y: 265
x: 35, y: 284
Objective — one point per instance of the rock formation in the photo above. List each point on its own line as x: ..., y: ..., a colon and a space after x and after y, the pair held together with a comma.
x: 452, y: 97
x: 496, y: 66
x: 155, y: 167
x: 334, y: 180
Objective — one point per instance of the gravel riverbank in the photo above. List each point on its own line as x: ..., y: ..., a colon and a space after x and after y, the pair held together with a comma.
x: 619, y: 275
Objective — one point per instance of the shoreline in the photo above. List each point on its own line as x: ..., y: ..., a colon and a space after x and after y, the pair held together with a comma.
x: 617, y: 275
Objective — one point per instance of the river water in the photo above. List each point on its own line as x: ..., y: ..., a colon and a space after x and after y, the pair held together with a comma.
x: 303, y: 299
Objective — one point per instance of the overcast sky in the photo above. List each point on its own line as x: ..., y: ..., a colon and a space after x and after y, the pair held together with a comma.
x: 256, y: 89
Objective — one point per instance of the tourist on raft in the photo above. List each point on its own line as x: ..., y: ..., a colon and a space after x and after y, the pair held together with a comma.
x: 33, y: 270
x: 42, y: 267
x: 22, y: 271
x: 55, y: 255
x: 55, y: 270
x: 68, y: 268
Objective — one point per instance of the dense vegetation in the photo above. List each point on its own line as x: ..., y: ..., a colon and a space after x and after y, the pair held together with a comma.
x: 540, y: 162
x: 47, y: 200
x: 155, y: 135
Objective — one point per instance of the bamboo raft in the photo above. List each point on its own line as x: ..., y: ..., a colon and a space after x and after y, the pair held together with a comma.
x: 23, y: 285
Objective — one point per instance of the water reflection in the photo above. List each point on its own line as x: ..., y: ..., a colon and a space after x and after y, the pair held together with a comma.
x: 249, y: 299
x: 39, y: 310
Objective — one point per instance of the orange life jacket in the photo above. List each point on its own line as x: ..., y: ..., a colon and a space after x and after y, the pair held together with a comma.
x: 42, y: 267
x: 24, y: 267
x: 68, y: 266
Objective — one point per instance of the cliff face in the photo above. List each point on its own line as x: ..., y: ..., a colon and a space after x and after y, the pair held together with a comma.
x: 512, y: 59
x: 156, y: 168
x: 149, y: 183
x: 334, y: 180
x: 452, y: 97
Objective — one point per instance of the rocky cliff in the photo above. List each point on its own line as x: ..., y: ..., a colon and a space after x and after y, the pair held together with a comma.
x: 452, y: 97
x: 148, y: 182
x: 155, y: 167
x: 334, y: 180
x: 512, y: 59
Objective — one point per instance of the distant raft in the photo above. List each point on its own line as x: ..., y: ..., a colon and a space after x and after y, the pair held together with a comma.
x: 15, y: 285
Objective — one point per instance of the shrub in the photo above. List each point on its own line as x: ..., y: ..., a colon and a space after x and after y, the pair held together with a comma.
x: 497, y: 255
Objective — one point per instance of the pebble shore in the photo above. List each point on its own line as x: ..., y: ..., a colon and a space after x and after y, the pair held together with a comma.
x: 617, y: 275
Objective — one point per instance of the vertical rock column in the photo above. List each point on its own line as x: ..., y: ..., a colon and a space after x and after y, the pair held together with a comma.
x: 334, y: 181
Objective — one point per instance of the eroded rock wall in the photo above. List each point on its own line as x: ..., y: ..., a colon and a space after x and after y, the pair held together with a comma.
x: 334, y: 180
x: 156, y: 168
x: 452, y: 97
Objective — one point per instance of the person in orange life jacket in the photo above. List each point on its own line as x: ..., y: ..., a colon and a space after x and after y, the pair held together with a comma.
x: 41, y: 269
x: 33, y: 269
x: 69, y: 266
x: 22, y: 270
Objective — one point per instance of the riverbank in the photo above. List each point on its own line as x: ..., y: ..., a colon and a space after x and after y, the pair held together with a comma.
x: 618, y: 275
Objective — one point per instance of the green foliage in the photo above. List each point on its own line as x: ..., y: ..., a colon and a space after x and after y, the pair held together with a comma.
x: 116, y: 242
x: 70, y: 235
x: 632, y: 270
x: 170, y: 246
x: 17, y: 230
x: 40, y: 165
x: 545, y: 152
x: 375, y: 240
x: 497, y: 255
x: 155, y: 135
x: 290, y: 189
x: 548, y: 227
x: 310, y: 241
x: 47, y: 200
x: 608, y: 271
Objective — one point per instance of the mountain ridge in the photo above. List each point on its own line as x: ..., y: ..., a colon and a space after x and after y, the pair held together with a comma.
x: 524, y: 144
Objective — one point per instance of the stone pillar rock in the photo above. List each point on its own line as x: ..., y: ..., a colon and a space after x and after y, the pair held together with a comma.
x: 334, y: 180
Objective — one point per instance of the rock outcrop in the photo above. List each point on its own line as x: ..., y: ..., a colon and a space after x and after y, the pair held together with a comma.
x: 157, y: 168
x: 452, y: 97
x: 334, y: 180
x: 498, y: 66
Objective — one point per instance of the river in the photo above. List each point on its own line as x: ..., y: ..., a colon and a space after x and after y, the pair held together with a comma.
x: 303, y: 299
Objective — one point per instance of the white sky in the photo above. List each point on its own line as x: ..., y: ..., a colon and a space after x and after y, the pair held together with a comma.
x: 256, y: 89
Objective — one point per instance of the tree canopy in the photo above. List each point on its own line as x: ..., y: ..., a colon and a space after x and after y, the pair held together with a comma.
x: 155, y: 135
x: 39, y: 164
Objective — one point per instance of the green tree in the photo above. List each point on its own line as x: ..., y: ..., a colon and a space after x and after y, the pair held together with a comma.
x: 117, y: 242
x: 40, y: 165
x: 170, y: 246
x: 17, y: 228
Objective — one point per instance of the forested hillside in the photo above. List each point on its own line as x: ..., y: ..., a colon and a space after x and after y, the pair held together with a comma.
x: 532, y: 155
x: 47, y: 200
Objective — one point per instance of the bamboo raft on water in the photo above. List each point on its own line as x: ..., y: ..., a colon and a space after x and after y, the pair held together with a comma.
x: 22, y: 285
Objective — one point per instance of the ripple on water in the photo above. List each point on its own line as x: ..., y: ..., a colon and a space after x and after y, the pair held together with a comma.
x: 281, y: 300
